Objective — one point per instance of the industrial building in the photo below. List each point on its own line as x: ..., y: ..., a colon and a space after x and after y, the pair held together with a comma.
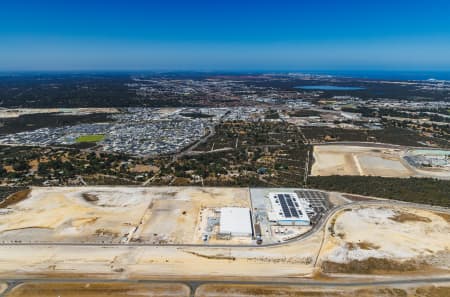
x: 235, y: 221
x: 288, y: 209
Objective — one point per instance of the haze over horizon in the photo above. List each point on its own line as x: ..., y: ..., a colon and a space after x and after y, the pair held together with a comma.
x: 208, y: 36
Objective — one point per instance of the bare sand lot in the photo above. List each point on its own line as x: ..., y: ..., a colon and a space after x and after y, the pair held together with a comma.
x: 217, y: 290
x: 390, y: 239
x: 3, y: 287
x: 14, y: 113
x: 98, y: 290
x: 396, y: 240
x: 114, y: 214
x: 158, y: 262
x: 360, y: 160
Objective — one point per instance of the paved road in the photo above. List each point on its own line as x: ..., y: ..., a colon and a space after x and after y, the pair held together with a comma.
x: 194, y: 284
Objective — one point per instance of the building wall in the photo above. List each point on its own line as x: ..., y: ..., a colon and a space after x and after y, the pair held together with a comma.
x: 293, y: 223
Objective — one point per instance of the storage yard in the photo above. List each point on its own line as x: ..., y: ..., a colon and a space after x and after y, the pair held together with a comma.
x: 430, y: 162
x: 373, y: 160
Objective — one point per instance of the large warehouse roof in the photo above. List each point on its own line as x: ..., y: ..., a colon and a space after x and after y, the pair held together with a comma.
x: 235, y: 221
x: 288, y: 207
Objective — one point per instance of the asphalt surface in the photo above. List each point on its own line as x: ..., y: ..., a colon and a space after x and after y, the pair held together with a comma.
x: 193, y: 285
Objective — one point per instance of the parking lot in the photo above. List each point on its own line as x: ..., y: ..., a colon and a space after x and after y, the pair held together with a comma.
x: 319, y: 202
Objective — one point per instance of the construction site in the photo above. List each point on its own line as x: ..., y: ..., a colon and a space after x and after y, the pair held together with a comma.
x: 119, y: 214
x: 379, y: 160
x: 175, y: 235
x: 162, y: 215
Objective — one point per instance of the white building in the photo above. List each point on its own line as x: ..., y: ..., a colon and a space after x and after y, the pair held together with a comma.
x: 288, y: 209
x: 235, y: 221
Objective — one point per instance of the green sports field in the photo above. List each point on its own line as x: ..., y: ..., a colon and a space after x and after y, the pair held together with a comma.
x: 90, y: 138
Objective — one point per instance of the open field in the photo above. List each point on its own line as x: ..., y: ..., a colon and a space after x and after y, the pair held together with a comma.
x: 17, y: 112
x: 90, y: 138
x: 98, y: 290
x: 33, y: 121
x: 385, y: 239
x: 395, y: 239
x: 366, y: 161
x: 159, y: 262
x: 358, y: 160
x: 217, y: 290
x: 113, y: 215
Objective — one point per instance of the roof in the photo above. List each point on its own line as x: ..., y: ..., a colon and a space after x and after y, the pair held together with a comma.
x: 287, y: 207
x: 235, y: 220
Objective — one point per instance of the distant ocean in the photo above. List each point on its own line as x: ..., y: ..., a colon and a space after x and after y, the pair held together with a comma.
x: 367, y: 74
x: 329, y: 88
x: 388, y: 75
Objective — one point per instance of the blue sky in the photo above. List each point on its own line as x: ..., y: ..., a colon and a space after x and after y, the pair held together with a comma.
x: 225, y: 35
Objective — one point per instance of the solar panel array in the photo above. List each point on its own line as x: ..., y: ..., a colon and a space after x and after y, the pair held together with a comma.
x: 288, y: 206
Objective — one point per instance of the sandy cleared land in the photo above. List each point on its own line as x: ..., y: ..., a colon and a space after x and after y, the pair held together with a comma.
x: 114, y: 215
x: 98, y: 290
x: 359, y: 160
x: 14, y: 113
x: 3, y: 287
x: 163, y: 262
x: 217, y: 290
x: 363, y: 235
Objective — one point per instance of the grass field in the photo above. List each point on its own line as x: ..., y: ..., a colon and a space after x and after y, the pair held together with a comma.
x: 90, y: 138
